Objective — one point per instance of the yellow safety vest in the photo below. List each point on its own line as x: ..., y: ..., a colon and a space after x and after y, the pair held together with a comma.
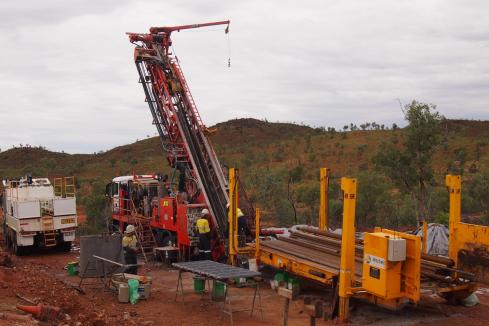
x: 203, y: 226
x: 130, y: 242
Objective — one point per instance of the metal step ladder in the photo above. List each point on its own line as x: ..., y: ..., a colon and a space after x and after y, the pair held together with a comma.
x: 48, y: 230
x: 146, y: 239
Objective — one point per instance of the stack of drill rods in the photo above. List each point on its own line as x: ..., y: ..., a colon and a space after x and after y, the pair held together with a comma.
x: 441, y: 260
x: 431, y: 267
x: 325, y: 240
x: 314, y: 253
x: 312, y: 230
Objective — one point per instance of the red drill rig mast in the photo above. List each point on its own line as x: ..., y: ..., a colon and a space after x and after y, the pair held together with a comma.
x: 178, y: 122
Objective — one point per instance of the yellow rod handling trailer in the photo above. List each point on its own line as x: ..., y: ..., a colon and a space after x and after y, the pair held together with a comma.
x: 324, y: 207
x: 387, y: 268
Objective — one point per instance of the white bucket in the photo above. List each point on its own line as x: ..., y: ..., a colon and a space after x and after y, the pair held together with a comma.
x: 252, y: 265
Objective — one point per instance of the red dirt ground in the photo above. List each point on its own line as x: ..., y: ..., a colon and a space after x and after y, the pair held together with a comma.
x: 40, y: 278
x: 80, y: 213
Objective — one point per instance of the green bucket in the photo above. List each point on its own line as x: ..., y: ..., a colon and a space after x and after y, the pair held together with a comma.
x: 293, y: 283
x: 199, y: 284
x: 281, y: 277
x: 72, y: 268
x: 218, y: 290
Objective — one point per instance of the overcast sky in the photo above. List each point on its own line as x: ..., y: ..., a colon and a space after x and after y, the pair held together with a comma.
x: 68, y: 80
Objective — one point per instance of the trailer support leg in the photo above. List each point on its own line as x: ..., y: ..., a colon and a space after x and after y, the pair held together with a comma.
x: 286, y: 311
x: 347, y: 267
x: 323, y: 203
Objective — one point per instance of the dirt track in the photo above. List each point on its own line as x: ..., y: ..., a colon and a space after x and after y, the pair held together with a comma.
x: 40, y: 279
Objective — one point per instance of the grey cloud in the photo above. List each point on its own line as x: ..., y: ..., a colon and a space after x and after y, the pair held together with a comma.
x: 325, y: 63
x: 29, y: 14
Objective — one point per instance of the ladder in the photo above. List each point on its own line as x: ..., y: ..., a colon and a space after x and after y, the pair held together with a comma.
x: 64, y: 187
x: 48, y: 230
x: 69, y: 184
x: 58, y: 187
x: 145, y: 236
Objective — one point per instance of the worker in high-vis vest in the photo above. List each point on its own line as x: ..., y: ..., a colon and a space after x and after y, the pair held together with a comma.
x: 242, y: 228
x: 130, y: 247
x: 204, y: 231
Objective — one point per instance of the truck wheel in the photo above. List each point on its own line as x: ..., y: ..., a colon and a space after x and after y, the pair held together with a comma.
x: 10, y: 239
x: 16, y: 250
x: 65, y: 246
x: 5, y: 235
x: 8, y: 243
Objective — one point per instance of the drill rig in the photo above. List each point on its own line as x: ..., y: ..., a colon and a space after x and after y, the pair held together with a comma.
x: 183, y: 135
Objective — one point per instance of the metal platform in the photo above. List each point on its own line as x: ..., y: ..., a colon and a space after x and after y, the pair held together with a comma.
x: 214, y: 270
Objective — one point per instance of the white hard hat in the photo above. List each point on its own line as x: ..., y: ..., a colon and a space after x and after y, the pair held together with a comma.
x: 205, y: 211
x: 227, y: 205
x: 130, y: 228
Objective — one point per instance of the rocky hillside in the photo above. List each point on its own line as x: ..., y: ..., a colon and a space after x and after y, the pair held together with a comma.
x: 268, y: 155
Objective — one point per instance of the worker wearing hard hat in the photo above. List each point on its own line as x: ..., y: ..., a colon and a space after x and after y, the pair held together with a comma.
x: 129, y: 245
x: 242, y: 228
x: 204, y: 231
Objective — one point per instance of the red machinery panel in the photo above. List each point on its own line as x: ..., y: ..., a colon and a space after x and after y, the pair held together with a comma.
x: 166, y: 218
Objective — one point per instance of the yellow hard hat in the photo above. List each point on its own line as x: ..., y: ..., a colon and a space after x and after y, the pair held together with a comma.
x: 239, y: 213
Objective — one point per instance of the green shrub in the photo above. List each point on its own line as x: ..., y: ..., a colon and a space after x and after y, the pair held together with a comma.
x: 442, y: 218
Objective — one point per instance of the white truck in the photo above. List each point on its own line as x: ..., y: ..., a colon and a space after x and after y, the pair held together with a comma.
x: 38, y: 214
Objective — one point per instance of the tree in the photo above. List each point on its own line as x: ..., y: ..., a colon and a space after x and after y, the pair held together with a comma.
x: 410, y: 166
x: 270, y: 187
x: 96, y: 210
x: 478, y: 189
x: 308, y: 196
x: 375, y: 205
x: 295, y: 175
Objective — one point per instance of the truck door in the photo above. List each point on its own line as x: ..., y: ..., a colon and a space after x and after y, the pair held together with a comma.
x: 114, y: 194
